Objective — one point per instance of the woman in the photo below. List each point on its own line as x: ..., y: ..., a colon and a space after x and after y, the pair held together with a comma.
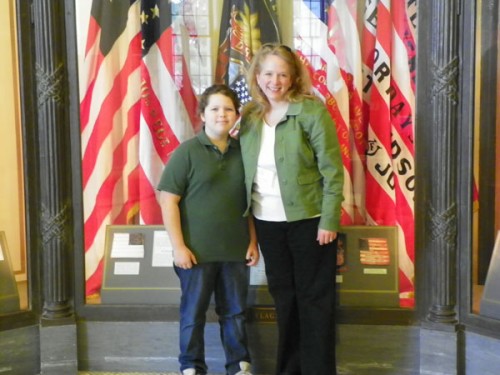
x: 203, y: 199
x: 294, y: 180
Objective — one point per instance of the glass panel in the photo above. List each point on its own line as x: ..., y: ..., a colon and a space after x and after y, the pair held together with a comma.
x: 127, y: 135
x: 13, y: 262
x: 486, y: 191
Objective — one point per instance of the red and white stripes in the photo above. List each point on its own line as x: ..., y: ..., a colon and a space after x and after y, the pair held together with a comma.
x: 388, y: 52
x: 133, y: 115
x: 364, y: 69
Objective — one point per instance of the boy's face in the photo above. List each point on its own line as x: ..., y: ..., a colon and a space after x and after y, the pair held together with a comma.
x: 219, y: 116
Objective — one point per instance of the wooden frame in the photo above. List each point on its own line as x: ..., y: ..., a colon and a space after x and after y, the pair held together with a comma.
x: 488, y: 11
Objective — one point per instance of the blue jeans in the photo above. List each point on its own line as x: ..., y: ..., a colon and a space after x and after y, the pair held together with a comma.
x: 301, y: 279
x: 228, y: 281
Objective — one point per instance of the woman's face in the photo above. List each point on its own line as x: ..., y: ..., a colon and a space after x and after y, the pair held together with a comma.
x: 274, y: 78
x: 219, y: 116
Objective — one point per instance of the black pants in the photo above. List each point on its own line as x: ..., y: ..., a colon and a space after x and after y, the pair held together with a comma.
x: 301, y: 279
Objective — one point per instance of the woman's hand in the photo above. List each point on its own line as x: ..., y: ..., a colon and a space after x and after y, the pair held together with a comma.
x: 252, y: 255
x: 325, y: 236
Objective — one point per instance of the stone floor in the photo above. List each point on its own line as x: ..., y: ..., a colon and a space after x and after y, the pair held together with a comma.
x: 129, y: 373
x: 132, y: 373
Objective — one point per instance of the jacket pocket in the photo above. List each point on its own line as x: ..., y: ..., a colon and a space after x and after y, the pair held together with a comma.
x: 309, y: 178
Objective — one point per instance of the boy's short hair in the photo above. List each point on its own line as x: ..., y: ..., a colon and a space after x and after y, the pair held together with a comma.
x: 218, y: 89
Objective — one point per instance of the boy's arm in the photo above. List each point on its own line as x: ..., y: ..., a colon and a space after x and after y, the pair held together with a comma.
x: 169, y: 203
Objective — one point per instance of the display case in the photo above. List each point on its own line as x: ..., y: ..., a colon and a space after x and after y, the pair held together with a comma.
x: 9, y: 294
x: 138, y: 268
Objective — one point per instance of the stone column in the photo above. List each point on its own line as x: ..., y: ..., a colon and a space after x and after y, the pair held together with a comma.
x: 442, y: 205
x: 436, y: 198
x: 55, y: 179
x: 58, y: 330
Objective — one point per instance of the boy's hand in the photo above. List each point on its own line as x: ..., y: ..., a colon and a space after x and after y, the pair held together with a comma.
x: 184, y: 258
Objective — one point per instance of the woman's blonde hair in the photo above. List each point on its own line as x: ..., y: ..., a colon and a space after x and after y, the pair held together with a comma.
x: 300, y: 89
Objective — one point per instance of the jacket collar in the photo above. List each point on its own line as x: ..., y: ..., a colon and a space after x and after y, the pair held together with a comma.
x: 294, y: 109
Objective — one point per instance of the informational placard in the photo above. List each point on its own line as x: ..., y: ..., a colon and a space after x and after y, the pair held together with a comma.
x: 9, y: 294
x: 162, y: 249
x: 490, y: 300
x: 258, y: 273
x: 367, y: 266
x: 367, y: 269
x: 258, y: 292
x: 138, y: 266
x: 138, y: 269
x: 127, y: 245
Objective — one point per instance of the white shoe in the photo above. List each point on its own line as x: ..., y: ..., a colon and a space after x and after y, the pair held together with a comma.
x: 189, y: 371
x: 245, y: 369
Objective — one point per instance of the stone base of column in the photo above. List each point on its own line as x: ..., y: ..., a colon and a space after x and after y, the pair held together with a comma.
x: 439, y: 352
x: 58, y: 348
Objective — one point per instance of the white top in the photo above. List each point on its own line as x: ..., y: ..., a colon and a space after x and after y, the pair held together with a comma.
x: 266, y: 195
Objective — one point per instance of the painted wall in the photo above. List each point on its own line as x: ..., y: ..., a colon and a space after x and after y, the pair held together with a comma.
x: 11, y: 184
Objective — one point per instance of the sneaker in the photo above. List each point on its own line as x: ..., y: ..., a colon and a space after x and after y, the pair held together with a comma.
x: 189, y: 371
x: 245, y: 369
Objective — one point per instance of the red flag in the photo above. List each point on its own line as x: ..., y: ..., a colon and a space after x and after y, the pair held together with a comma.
x: 368, y: 84
x: 344, y: 41
x: 389, y: 52
x: 137, y: 105
x: 317, y: 44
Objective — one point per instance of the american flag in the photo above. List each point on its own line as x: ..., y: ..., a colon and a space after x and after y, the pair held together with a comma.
x: 368, y: 84
x: 137, y: 105
x: 245, y: 26
x: 240, y: 86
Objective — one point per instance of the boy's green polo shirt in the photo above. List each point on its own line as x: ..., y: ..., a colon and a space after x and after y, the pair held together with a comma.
x: 213, y: 201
